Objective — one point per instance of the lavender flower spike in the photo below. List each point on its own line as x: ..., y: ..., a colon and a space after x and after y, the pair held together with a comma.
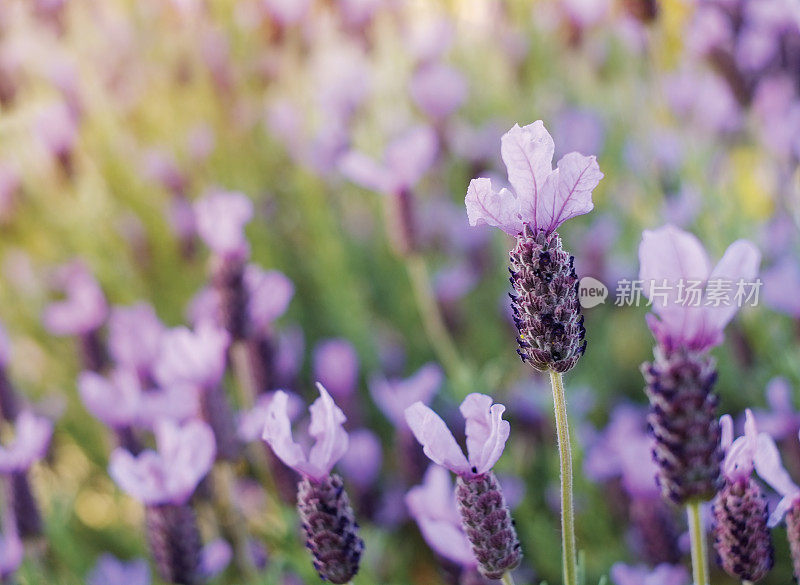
x: 164, y: 481
x: 742, y: 538
x: 329, y: 525
x: 484, y: 514
x: 545, y: 297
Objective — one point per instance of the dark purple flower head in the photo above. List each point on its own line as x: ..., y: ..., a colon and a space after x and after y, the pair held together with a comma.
x: 31, y: 438
x: 669, y: 256
x: 539, y: 196
x: 192, y: 357
x: 109, y: 570
x: 406, y: 160
x: 83, y: 310
x: 394, y: 396
x: 169, y: 475
x: 134, y: 337
x: 336, y: 367
x: 622, y: 574
x: 486, y: 432
x: 221, y: 217
x: 362, y: 461
x: 433, y: 506
x: 326, y: 429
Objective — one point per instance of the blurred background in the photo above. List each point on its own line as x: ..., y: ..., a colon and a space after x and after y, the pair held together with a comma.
x: 333, y: 116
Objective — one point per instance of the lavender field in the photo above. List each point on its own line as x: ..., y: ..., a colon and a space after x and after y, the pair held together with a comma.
x: 400, y: 292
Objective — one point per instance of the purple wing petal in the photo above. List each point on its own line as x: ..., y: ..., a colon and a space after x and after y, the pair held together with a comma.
x: 567, y: 192
x: 326, y: 428
x: 365, y: 172
x: 486, y: 430
x: 740, y: 262
x: 528, y: 155
x: 278, y: 432
x: 495, y: 208
x: 410, y: 156
x: 436, y: 439
x: 769, y: 467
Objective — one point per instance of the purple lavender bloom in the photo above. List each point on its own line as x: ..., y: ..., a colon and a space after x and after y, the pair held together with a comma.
x: 269, y: 293
x: 57, y: 130
x: 84, y: 309
x: 215, y: 558
x: 170, y: 474
x: 433, y: 506
x: 438, y: 90
x: 287, y: 12
x: 393, y: 397
x: 664, y: 574
x: 782, y: 420
x: 336, y: 367
x: 540, y: 197
x: 134, y: 338
x: 221, y: 217
x: 109, y: 570
x: 405, y: 161
x: 192, y: 357
x: 781, y: 282
x: 362, y: 461
x: 669, y: 256
x: 31, y: 439
x: 484, y: 514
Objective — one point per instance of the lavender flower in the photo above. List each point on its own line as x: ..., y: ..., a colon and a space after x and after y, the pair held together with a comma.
x: 336, y: 367
x: 362, y: 461
x: 12, y: 550
x: 545, y: 297
x: 485, y: 517
x: 164, y: 481
x: 111, y: 571
x: 134, y: 338
x: 782, y: 420
x: 329, y: 525
x: 438, y: 90
x: 680, y: 380
x: 742, y: 538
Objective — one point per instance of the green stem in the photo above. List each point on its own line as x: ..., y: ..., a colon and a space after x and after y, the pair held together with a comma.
x: 232, y: 523
x: 568, y: 548
x: 432, y: 319
x: 507, y: 579
x: 698, y: 538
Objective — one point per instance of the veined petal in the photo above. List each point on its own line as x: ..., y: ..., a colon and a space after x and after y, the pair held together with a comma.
x: 495, y: 208
x: 326, y: 428
x: 739, y: 263
x: 436, y: 439
x: 528, y: 155
x: 726, y: 431
x: 486, y: 430
x: 769, y: 467
x: 278, y: 432
x: 567, y: 192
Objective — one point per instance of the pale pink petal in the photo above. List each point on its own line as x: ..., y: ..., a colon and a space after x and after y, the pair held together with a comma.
x: 115, y: 402
x: 726, y: 431
x: 411, y: 155
x: 567, y: 192
x: 188, y: 452
x: 486, y: 431
x: 141, y: 477
x: 528, y: 155
x: 278, y: 432
x: 436, y: 439
x: 327, y: 430
x: 740, y: 262
x: 485, y: 206
x: 769, y: 467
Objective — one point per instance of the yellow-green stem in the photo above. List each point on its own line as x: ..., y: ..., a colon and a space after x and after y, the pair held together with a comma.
x: 507, y: 579
x: 432, y: 319
x: 698, y: 538
x: 568, y: 547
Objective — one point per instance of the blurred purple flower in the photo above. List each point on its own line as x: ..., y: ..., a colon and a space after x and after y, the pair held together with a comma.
x: 427, y: 39
x: 433, y: 507
x: 221, y: 217
x: 781, y: 283
x: 664, y: 574
x: 452, y: 283
x: 669, y: 256
x: 169, y: 475
x: 438, y: 90
x: 394, y: 396
x: 326, y: 429
x: 539, y: 195
x: 586, y: 13
x: 357, y: 13
x: 215, y: 558
x: 486, y: 433
x: 287, y: 12
x: 782, y: 420
x: 161, y: 167
x: 578, y: 130
x: 289, y: 355
x: 12, y: 550
x: 57, y: 130
x: 134, y: 337
x: 336, y: 367
x: 5, y: 347
x: 192, y: 357
x: 109, y: 570
x: 31, y: 438
x: 405, y: 161
x: 705, y: 99
x: 362, y: 461
x: 777, y: 107
x: 84, y: 308
x: 114, y: 401
x: 269, y: 294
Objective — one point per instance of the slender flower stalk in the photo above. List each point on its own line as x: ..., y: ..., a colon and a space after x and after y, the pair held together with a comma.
x: 697, y: 535
x: 545, y: 286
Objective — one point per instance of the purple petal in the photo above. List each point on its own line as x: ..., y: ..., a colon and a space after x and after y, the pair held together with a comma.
x: 485, y: 206
x: 31, y: 438
x: 111, y: 571
x: 769, y: 467
x: 278, y: 433
x: 327, y: 430
x: 726, y: 431
x: 365, y: 172
x: 85, y: 307
x: 411, y: 155
x: 336, y: 366
x: 436, y: 439
x: 438, y: 90
x: 362, y: 461
x: 221, y: 217
x: 567, y: 192
x: 141, y: 477
x: 486, y: 431
x: 192, y: 357
x: 215, y: 557
x: 187, y: 453
x: 393, y: 397
x: 115, y: 402
x: 528, y: 155
x: 134, y: 336
x: 740, y: 262
x: 270, y: 293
